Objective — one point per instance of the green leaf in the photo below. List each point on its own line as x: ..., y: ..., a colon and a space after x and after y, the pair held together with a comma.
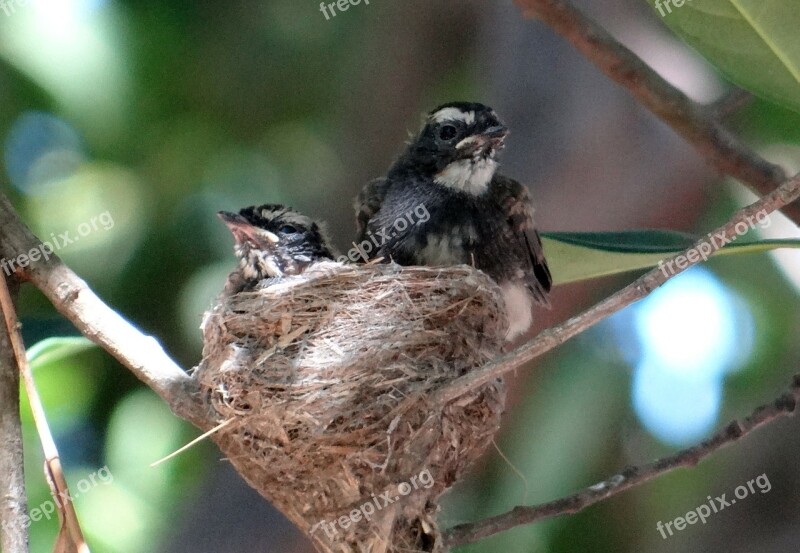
x: 576, y: 256
x: 53, y: 350
x: 753, y: 42
x: 66, y: 385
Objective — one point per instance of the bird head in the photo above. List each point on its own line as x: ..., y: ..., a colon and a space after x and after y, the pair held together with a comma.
x: 274, y: 240
x: 458, y: 146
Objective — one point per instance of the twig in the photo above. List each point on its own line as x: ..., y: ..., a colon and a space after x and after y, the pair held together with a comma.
x: 71, y: 296
x: 13, y: 501
x: 697, y: 124
x: 700, y: 127
x: 148, y: 361
x: 549, y: 339
x: 638, y: 289
x: 54, y: 473
x: 194, y: 442
x: 629, y: 477
x: 731, y: 103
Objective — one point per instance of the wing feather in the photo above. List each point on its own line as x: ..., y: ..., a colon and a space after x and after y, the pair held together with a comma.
x: 515, y: 200
x: 368, y: 203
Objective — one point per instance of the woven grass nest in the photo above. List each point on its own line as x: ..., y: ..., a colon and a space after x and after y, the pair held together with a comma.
x: 326, y: 380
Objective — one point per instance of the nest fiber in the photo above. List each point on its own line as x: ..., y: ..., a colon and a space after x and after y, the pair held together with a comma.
x: 326, y: 381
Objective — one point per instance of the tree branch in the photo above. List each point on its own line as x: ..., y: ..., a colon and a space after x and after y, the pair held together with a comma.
x: 632, y: 476
x: 555, y: 336
x: 55, y: 475
x: 147, y: 360
x: 696, y: 123
x: 638, y: 289
x: 13, y: 501
x: 73, y: 298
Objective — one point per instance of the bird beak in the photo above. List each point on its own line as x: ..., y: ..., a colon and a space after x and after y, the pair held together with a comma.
x: 243, y: 231
x: 498, y: 132
x: 491, y: 138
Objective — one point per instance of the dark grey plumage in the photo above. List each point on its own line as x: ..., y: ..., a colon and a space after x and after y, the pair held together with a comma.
x: 474, y: 215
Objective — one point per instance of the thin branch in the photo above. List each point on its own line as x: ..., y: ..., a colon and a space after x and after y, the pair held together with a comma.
x: 638, y: 289
x: 700, y: 127
x: 696, y: 123
x: 13, y: 501
x: 549, y: 339
x: 54, y: 473
x: 148, y: 361
x: 732, y: 102
x: 73, y: 298
x: 632, y: 476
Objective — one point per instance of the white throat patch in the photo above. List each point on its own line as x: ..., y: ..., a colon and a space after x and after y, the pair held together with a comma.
x: 468, y: 175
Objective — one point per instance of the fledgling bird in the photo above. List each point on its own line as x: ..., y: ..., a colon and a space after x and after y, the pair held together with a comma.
x: 273, y: 241
x: 476, y: 216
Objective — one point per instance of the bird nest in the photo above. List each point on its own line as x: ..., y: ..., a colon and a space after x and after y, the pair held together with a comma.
x: 326, y: 383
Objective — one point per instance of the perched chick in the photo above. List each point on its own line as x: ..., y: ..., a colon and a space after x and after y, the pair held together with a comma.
x: 273, y: 241
x: 477, y: 216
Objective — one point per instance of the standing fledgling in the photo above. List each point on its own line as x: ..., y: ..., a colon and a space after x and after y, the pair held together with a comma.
x: 477, y: 216
x: 273, y: 241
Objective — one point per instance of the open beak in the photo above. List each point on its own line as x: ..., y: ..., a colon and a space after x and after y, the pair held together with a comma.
x: 490, y: 139
x: 243, y: 231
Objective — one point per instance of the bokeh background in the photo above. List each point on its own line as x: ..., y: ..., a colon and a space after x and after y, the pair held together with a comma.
x: 155, y: 115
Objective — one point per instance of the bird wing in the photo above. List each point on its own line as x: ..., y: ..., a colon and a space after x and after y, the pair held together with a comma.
x: 515, y: 201
x: 368, y: 203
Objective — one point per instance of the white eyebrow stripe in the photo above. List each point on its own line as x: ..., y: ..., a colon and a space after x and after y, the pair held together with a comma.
x: 288, y: 216
x: 453, y: 114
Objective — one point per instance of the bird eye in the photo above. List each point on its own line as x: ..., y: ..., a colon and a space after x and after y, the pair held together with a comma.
x: 448, y: 132
x: 288, y: 229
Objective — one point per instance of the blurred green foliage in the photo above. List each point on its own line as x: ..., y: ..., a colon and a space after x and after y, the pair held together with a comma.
x: 754, y: 42
x: 182, y: 109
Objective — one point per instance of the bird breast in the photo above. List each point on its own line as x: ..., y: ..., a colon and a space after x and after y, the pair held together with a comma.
x: 449, y: 248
